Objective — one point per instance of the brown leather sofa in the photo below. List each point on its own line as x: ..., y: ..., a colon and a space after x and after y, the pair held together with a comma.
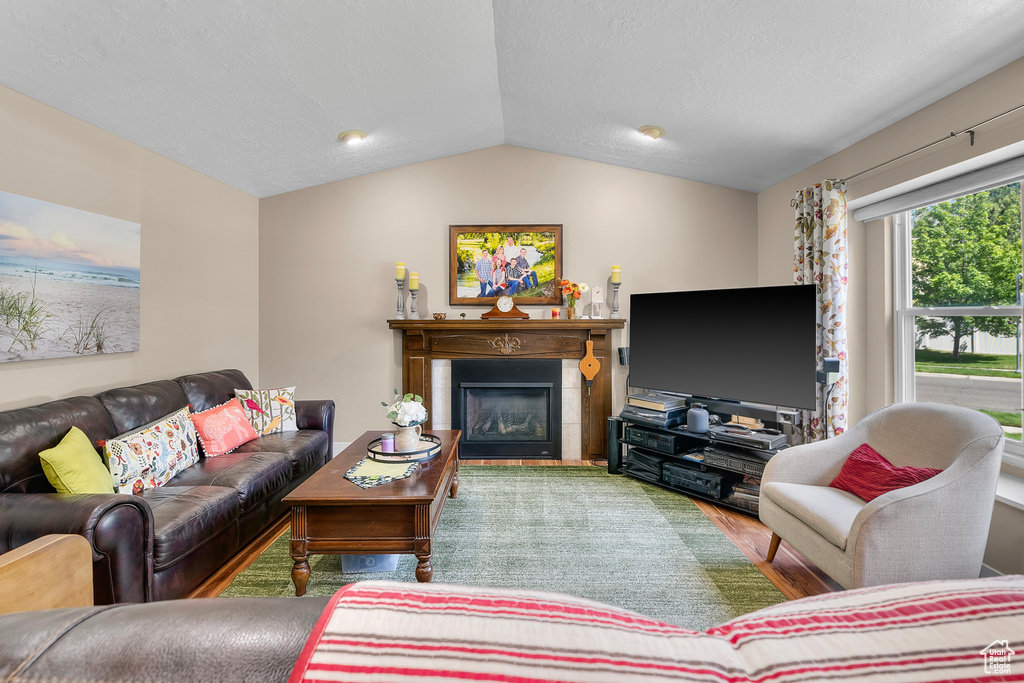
x: 164, y: 542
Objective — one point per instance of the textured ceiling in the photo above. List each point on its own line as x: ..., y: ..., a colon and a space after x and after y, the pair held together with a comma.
x: 254, y: 92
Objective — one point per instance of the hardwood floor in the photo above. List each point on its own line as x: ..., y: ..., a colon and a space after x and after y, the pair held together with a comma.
x: 790, y: 572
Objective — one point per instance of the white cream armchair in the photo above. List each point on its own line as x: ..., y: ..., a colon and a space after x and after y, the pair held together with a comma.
x: 936, y: 529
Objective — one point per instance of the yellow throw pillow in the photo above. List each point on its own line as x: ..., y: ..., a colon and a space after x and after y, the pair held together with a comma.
x: 74, y: 466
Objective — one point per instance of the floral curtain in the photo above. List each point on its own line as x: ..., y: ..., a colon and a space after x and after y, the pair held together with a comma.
x: 820, y: 257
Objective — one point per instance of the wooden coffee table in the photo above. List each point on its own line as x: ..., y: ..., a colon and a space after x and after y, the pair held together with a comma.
x: 332, y: 515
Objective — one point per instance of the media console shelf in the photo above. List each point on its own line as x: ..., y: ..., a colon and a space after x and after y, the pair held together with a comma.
x: 675, y: 459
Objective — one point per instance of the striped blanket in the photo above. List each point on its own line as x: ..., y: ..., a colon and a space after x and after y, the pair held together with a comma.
x: 380, y: 631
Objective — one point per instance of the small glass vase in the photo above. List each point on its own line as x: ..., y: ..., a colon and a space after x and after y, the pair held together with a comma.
x: 570, y: 312
x: 407, y: 438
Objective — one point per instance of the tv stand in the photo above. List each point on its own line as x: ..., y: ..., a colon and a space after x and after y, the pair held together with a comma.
x: 693, y: 464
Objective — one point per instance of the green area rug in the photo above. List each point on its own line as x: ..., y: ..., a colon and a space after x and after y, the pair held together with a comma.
x: 575, y: 530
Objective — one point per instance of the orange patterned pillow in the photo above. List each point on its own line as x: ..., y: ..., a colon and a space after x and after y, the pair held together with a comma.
x: 223, y: 428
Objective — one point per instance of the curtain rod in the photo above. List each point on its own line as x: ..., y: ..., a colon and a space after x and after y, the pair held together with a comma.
x: 969, y: 129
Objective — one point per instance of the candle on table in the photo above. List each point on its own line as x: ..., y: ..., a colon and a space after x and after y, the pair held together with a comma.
x: 616, y: 274
x: 400, y: 270
x: 556, y: 313
x: 414, y: 280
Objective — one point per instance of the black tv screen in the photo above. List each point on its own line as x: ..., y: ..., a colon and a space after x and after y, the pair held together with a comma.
x: 754, y: 344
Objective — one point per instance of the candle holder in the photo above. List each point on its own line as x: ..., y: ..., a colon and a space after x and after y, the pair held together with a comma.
x: 400, y: 314
x: 412, y: 302
x: 615, y: 300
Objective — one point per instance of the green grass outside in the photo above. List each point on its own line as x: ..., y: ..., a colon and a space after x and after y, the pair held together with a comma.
x: 976, y: 364
x: 1007, y: 419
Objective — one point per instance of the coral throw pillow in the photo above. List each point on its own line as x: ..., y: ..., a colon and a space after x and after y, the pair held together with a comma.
x: 868, y: 475
x: 269, y: 410
x: 223, y: 428
x: 151, y: 455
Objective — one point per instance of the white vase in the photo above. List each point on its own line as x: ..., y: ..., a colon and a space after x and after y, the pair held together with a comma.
x: 407, y: 438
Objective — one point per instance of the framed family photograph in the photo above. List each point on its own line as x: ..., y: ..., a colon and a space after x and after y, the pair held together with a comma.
x: 488, y: 261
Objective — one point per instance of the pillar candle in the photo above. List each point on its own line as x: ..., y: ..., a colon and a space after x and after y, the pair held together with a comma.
x: 616, y: 274
x: 414, y: 280
x: 400, y: 270
x: 556, y: 313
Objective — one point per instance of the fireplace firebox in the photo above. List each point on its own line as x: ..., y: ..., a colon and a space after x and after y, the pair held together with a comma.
x: 508, y: 408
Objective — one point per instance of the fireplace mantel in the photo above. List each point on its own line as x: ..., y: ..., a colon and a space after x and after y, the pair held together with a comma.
x: 426, y: 340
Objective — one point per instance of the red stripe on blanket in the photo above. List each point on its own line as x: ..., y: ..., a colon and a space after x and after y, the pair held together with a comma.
x: 847, y: 622
x: 663, y: 629
x: 299, y: 670
x: 511, y: 654
x: 485, y: 603
x: 919, y: 602
x: 779, y: 676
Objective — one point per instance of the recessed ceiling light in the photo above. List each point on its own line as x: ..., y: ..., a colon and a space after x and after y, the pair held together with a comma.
x: 653, y: 132
x: 352, y: 137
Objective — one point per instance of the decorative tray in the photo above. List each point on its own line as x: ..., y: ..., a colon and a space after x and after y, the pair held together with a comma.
x: 429, y: 446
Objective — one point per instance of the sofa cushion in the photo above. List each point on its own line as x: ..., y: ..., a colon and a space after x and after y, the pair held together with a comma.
x: 208, y: 389
x: 74, y: 466
x: 186, y: 517
x: 828, y: 511
x: 308, y: 448
x: 269, y: 410
x: 25, y: 432
x: 927, y: 631
x: 223, y: 428
x: 152, y: 454
x: 132, y: 407
x: 255, y: 477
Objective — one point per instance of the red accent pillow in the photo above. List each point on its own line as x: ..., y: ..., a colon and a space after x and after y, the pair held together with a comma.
x: 867, y: 475
x: 223, y: 428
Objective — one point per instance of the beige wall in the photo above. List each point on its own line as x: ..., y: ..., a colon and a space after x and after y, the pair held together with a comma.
x: 870, y: 294
x: 328, y: 253
x: 200, y: 245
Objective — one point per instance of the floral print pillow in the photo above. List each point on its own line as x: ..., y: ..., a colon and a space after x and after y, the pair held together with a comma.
x: 151, y: 455
x: 269, y: 410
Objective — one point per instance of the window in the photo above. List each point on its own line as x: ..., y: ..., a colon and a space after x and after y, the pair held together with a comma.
x: 958, y: 306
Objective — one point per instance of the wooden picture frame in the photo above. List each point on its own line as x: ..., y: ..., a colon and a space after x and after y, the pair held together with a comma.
x: 537, y: 285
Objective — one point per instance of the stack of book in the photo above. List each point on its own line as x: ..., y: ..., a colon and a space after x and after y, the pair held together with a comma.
x: 663, y: 410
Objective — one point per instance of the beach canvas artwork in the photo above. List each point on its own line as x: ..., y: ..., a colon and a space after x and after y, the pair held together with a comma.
x: 69, y: 281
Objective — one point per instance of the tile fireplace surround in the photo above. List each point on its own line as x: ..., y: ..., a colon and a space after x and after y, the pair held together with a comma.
x: 428, y: 346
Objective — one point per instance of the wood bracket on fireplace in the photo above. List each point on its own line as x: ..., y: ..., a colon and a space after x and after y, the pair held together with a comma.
x: 426, y: 340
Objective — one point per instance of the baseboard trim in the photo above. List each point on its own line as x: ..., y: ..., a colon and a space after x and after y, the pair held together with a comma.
x: 987, y: 571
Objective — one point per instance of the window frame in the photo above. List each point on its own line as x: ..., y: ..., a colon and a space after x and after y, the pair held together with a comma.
x: 903, y: 322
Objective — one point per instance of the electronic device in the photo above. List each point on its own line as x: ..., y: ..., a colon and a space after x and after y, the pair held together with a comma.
x: 623, y: 355
x: 753, y: 344
x: 765, y: 440
x: 658, y: 441
x: 505, y: 307
x: 659, y: 418
x: 734, y: 462
x: 711, y: 484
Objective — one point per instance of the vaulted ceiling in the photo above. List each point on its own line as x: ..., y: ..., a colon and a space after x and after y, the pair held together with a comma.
x: 254, y: 92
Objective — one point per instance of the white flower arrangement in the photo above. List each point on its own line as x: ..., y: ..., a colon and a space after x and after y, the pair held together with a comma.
x: 407, y: 411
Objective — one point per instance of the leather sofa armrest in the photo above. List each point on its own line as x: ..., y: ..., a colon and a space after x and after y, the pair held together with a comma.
x: 119, y: 529
x: 316, y: 415
x: 256, y: 640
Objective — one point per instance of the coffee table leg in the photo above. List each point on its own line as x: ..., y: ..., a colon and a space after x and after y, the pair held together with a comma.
x: 424, y: 570
x: 454, y: 490
x: 299, y: 551
x: 300, y: 576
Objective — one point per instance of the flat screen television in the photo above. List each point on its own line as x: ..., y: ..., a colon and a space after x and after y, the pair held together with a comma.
x: 753, y: 344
